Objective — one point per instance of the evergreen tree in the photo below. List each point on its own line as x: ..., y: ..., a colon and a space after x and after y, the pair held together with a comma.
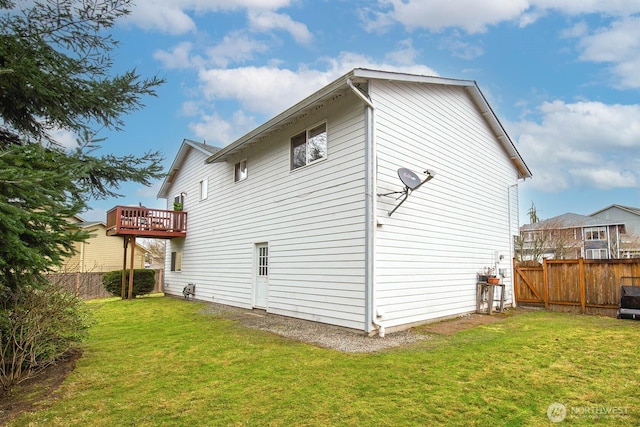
x: 56, y: 74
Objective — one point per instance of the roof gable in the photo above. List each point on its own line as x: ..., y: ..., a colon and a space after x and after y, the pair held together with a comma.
x: 187, y: 145
x: 628, y: 209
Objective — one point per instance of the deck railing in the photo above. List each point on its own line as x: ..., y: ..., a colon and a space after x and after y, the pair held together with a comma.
x: 141, y: 221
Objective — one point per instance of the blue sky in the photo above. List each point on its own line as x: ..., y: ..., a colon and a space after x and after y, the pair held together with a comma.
x: 563, y: 76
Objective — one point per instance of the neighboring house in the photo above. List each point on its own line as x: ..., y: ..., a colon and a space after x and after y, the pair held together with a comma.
x: 631, y: 218
x: 99, y: 253
x: 293, y: 217
x: 572, y: 236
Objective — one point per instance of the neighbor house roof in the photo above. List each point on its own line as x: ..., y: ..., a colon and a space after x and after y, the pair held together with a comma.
x: 635, y: 211
x: 569, y: 220
x: 346, y: 84
x: 187, y: 144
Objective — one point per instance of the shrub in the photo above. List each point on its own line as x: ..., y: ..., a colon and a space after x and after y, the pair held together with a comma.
x: 144, y: 281
x: 37, y: 326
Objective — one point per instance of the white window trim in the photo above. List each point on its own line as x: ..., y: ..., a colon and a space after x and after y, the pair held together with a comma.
x: 598, y: 230
x: 204, y: 188
x: 591, y: 252
x: 175, y: 264
x: 238, y: 165
x: 306, y: 132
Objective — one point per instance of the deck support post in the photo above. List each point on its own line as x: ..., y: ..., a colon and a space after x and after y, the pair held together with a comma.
x: 123, y: 295
x: 133, y: 253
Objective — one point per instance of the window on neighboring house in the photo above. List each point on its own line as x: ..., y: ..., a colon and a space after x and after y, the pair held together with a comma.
x: 596, y: 254
x: 204, y: 188
x: 176, y: 261
x: 595, y: 233
x: 240, y: 171
x: 309, y: 146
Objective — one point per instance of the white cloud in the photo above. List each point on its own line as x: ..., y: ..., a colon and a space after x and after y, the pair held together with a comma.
x: 161, y: 16
x: 405, y: 54
x: 178, y: 58
x: 374, y: 21
x: 579, y: 29
x: 269, y: 90
x: 605, y: 178
x: 461, y: 49
x: 475, y: 16
x: 265, y: 21
x: 171, y: 16
x: 265, y: 90
x: 573, y: 7
x: 220, y: 132
x: 235, y: 48
x: 584, y: 144
x: 618, y: 44
x: 64, y: 138
x: 471, y: 15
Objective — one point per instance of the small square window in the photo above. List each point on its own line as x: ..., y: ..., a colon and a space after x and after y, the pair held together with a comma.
x: 240, y: 171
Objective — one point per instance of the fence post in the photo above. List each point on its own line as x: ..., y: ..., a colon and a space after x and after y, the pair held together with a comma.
x: 77, y: 283
x: 583, y: 287
x: 514, y: 284
x: 545, y: 282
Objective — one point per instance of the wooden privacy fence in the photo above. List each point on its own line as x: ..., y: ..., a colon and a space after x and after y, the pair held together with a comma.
x: 576, y: 285
x: 89, y: 285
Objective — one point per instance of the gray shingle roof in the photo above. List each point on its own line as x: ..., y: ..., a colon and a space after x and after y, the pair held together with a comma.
x: 569, y: 220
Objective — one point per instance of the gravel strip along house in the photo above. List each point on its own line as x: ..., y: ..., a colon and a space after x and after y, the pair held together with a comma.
x: 371, y: 204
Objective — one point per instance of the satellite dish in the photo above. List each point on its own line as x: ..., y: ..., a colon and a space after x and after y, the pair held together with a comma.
x: 409, y: 178
x: 411, y: 182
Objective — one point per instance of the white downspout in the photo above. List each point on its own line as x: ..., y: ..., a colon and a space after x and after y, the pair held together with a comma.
x: 512, y: 251
x: 371, y: 312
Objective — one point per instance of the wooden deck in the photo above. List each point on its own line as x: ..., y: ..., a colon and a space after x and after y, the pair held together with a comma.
x: 139, y: 221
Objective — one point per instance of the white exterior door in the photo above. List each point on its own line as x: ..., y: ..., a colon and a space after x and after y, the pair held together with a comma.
x: 261, y: 287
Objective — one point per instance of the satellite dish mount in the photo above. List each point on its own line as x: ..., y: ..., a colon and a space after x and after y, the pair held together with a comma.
x: 411, y: 183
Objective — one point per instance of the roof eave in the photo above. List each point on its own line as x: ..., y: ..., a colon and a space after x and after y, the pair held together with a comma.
x: 363, y: 74
x: 499, y: 131
x: 281, y: 120
x: 173, y: 170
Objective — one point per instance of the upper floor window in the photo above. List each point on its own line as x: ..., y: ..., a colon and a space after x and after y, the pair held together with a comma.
x: 309, y: 146
x: 595, y: 233
x: 240, y: 171
x: 204, y: 189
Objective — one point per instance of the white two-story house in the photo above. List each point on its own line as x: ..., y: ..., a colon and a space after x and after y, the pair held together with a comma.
x: 308, y: 216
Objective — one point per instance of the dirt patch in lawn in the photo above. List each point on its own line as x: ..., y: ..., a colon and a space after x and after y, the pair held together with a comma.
x: 468, y: 321
x: 37, y: 390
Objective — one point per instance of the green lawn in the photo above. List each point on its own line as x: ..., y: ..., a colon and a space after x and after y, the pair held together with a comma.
x: 160, y: 361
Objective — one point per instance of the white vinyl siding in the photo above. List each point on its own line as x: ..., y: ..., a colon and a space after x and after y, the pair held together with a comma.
x: 429, y: 250
x: 313, y: 219
x: 426, y: 255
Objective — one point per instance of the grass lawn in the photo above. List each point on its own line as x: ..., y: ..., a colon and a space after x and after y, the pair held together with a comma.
x: 160, y: 361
